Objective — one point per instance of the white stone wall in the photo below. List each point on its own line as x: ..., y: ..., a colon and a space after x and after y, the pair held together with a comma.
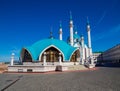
x: 70, y: 63
x: 23, y: 68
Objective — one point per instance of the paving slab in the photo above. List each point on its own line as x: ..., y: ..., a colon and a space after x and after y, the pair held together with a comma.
x: 103, y: 79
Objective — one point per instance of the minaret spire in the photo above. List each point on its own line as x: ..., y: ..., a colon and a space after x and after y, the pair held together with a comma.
x: 75, y: 29
x: 87, y: 21
x: 88, y: 31
x: 60, y: 31
x: 71, y: 29
x: 70, y: 15
x: 89, y: 37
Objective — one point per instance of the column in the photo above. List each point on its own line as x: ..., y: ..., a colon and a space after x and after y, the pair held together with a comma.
x: 92, y: 60
x: 81, y: 55
x: 60, y: 58
x: 44, y: 59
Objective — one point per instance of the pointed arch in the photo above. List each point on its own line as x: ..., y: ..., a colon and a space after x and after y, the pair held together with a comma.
x: 75, y: 56
x: 54, y: 53
x: 26, y: 56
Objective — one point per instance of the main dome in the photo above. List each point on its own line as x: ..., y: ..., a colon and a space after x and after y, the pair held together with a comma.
x: 39, y: 47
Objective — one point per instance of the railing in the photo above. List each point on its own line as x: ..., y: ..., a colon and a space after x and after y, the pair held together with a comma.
x: 37, y: 63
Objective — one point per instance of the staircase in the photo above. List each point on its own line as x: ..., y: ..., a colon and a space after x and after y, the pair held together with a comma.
x: 77, y: 67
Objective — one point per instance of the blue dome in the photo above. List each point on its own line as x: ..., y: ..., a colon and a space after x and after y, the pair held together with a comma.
x: 76, y: 36
x: 39, y: 47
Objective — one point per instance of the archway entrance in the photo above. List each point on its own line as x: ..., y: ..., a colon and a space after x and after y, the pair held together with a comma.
x: 52, y: 55
x: 25, y: 55
x: 75, y: 57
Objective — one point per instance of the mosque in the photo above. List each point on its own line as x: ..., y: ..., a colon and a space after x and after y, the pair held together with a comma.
x: 48, y: 54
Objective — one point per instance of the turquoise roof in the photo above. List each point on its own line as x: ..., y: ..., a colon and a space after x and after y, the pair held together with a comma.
x: 76, y: 36
x: 37, y: 48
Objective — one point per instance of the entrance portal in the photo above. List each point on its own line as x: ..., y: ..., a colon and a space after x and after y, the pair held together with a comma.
x: 75, y: 57
x: 52, y: 55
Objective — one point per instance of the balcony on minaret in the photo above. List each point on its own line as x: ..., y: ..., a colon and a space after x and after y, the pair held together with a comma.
x: 60, y: 32
x: 88, y: 27
x: 71, y: 25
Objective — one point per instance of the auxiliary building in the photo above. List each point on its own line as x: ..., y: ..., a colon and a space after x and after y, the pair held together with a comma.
x: 55, y: 54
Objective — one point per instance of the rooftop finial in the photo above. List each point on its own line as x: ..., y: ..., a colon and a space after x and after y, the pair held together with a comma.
x: 70, y: 15
x: 51, y: 34
x: 87, y: 21
x: 75, y: 28
x: 60, y: 24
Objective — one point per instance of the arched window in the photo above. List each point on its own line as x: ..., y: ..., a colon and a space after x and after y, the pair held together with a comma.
x: 25, y: 55
x: 52, y: 55
x: 76, y: 56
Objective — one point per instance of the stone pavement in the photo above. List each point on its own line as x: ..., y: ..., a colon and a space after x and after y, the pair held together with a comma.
x: 103, y: 79
x: 77, y: 67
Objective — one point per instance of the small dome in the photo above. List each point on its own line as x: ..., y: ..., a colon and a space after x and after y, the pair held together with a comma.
x: 76, y: 36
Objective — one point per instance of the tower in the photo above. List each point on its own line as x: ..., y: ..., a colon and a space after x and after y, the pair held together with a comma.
x: 60, y: 32
x: 89, y: 37
x: 90, y: 57
x: 82, y: 50
x: 71, y: 30
x: 82, y: 40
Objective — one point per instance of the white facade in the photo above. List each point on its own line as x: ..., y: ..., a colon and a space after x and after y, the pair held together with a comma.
x: 76, y: 41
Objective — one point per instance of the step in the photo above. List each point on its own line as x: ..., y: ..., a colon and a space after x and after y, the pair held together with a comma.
x: 77, y: 67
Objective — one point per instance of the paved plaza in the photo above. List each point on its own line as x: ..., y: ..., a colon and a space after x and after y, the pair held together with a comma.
x: 102, y: 79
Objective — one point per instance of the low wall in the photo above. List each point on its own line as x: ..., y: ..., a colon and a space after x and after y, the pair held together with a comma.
x: 70, y: 63
x: 23, y: 68
x: 39, y: 67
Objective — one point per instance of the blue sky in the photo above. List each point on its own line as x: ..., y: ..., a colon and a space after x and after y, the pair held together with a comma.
x: 23, y: 22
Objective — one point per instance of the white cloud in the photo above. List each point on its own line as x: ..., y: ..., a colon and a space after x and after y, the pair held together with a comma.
x: 101, y: 18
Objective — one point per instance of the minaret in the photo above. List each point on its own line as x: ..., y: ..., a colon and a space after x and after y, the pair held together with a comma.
x: 82, y: 40
x: 60, y: 32
x: 89, y: 37
x: 88, y: 31
x: 71, y: 30
x: 82, y: 50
